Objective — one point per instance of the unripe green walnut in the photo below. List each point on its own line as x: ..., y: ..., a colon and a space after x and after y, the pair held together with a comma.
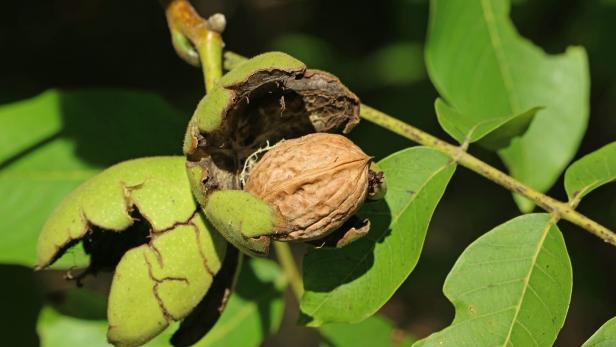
x: 139, y: 219
x: 313, y: 184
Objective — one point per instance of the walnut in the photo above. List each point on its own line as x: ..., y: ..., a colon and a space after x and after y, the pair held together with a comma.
x: 313, y: 183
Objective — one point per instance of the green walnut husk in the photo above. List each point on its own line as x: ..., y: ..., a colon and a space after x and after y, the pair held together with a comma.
x: 139, y: 219
x: 266, y: 99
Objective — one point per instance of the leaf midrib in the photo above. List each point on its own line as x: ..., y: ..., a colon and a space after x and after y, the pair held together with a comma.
x: 503, y: 64
x: 518, y: 306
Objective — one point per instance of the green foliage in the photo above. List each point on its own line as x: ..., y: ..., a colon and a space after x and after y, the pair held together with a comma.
x: 486, y: 71
x: 510, y: 287
x: 255, y: 309
x: 604, y: 337
x: 374, y: 331
x: 51, y: 143
x: 352, y: 283
x: 57, y: 330
x: 253, y: 312
x: 591, y: 172
x: 395, y: 64
x: 495, y: 132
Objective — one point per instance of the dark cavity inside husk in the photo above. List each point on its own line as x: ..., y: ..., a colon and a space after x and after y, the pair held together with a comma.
x: 268, y: 107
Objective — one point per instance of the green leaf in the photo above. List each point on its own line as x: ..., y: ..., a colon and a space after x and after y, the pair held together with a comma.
x: 352, y: 283
x: 511, y: 287
x: 255, y: 309
x: 496, y: 132
x: 604, y: 337
x: 591, y: 172
x: 484, y: 69
x: 51, y: 143
x: 57, y: 330
x: 374, y: 331
x: 253, y: 312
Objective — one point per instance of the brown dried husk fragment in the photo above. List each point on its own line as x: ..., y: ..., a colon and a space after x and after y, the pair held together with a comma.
x: 314, y: 183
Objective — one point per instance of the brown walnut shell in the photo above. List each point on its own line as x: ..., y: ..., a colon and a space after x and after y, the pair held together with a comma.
x: 314, y: 183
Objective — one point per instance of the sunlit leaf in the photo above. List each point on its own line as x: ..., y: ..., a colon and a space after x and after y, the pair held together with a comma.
x: 511, y: 287
x: 53, y: 142
x: 604, y: 337
x: 57, y: 330
x: 352, y: 283
x: 374, y: 331
x: 495, y: 132
x: 484, y: 69
x: 591, y: 172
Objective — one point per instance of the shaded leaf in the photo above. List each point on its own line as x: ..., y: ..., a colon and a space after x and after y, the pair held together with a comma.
x: 497, y: 132
x: 58, y: 330
x: 80, y: 303
x: 53, y: 142
x: 254, y: 310
x: 591, y: 171
x: 511, y: 286
x: 604, y: 337
x: 22, y: 300
x: 374, y: 331
x: 484, y: 69
x: 351, y: 283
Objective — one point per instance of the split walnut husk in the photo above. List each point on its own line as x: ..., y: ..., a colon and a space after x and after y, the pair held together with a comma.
x: 269, y: 98
x: 263, y: 101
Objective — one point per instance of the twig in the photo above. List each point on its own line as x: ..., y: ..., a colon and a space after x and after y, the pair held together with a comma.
x: 195, y: 39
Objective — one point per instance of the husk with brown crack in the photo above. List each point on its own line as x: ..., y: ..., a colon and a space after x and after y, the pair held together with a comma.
x: 139, y: 219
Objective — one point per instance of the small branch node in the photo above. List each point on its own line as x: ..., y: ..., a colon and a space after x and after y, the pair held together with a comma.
x: 217, y: 22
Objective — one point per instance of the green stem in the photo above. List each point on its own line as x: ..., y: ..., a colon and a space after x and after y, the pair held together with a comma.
x: 560, y: 209
x: 210, y: 54
x: 285, y: 258
x: 193, y: 36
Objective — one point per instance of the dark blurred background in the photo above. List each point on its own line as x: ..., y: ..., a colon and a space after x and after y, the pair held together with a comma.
x: 376, y: 48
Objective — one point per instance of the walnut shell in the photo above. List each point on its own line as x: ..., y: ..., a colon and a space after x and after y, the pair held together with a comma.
x: 314, y: 183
